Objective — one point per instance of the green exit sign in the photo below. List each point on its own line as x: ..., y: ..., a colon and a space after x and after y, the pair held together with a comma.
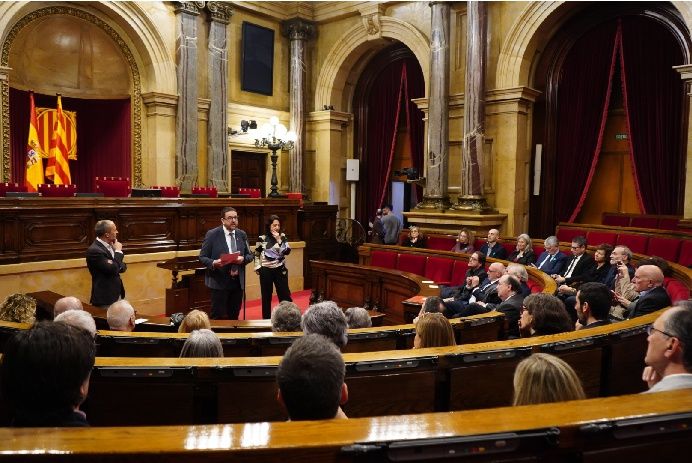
x: 621, y: 136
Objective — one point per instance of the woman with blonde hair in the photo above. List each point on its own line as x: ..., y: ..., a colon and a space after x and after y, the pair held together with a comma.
x: 414, y: 239
x: 523, y: 254
x: 544, y: 378
x: 465, y: 241
x: 18, y: 308
x: 195, y: 320
x: 433, y: 330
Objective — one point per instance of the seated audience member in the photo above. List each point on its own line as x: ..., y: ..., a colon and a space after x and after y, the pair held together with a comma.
x: 18, y: 308
x: 620, y: 259
x: 79, y: 318
x: 358, y: 317
x: 602, y: 258
x: 625, y: 291
x: 509, y: 291
x: 327, y: 319
x: 433, y: 330
x: 577, y: 269
x: 432, y: 304
x: 544, y: 378
x: 475, y: 268
x: 669, y: 353
x: 286, y: 317
x: 202, y: 343
x: 414, y: 239
x: 45, y: 375
x: 523, y: 254
x: 592, y: 305
x: 519, y: 272
x: 543, y: 314
x: 648, y: 282
x: 121, y: 316
x: 476, y: 294
x: 464, y: 242
x: 492, y: 247
x: 66, y: 303
x: 311, y: 379
x: 194, y: 320
x: 551, y: 260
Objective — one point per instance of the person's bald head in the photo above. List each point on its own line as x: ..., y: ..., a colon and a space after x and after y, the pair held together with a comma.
x: 121, y: 316
x: 647, y: 277
x: 495, y: 271
x: 66, y: 303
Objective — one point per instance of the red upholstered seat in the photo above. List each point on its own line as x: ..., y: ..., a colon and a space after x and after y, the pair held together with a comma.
x: 168, y: 191
x: 534, y: 287
x: 598, y: 237
x: 459, y: 273
x: 114, y: 187
x: 636, y: 243
x: 441, y: 243
x: 208, y: 191
x: 615, y: 220
x: 676, y: 290
x: 667, y: 248
x: 665, y: 223
x: 384, y: 259
x: 509, y: 247
x: 253, y: 192
x: 412, y: 263
x: 5, y: 187
x: 439, y: 270
x: 566, y: 234
x: 48, y: 190
x: 644, y: 222
x: 685, y: 258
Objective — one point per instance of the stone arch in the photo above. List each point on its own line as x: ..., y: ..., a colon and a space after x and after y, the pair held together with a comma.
x: 345, y: 59
x: 130, y: 29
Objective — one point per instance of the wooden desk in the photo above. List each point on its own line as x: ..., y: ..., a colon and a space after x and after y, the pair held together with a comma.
x: 188, y: 293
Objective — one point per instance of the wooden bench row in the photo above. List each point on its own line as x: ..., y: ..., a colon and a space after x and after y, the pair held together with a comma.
x: 634, y: 428
x: 154, y: 391
x: 478, y: 328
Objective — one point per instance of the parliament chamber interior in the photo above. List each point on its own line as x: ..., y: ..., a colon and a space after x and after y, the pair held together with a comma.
x: 550, y: 127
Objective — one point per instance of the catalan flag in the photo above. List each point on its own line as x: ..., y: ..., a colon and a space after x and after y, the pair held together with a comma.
x: 34, y: 165
x: 58, y: 169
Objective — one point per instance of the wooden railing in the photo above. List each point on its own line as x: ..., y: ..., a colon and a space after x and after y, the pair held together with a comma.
x: 651, y: 427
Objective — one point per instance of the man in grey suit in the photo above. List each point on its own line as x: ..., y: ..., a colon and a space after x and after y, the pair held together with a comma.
x: 226, y: 280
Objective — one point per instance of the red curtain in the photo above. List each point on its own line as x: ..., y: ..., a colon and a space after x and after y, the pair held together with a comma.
x: 103, y: 137
x: 654, y: 96
x: 415, y: 88
x: 583, y: 92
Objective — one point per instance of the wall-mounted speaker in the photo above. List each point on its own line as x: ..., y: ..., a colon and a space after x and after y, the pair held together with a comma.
x: 352, y: 167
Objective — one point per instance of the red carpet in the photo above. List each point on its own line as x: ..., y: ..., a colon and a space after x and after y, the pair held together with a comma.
x: 253, y: 308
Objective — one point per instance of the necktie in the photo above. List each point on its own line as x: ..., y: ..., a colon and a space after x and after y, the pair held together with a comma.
x: 234, y: 247
x: 547, y: 258
x: 570, y: 269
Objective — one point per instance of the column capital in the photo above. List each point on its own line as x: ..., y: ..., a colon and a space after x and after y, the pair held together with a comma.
x: 193, y: 8
x: 298, y: 29
x: 370, y: 15
x: 219, y: 11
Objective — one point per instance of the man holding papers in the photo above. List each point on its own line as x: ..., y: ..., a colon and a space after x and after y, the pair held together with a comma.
x: 225, y: 252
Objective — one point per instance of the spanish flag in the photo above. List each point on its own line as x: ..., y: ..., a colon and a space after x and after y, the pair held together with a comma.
x: 58, y: 169
x: 34, y: 165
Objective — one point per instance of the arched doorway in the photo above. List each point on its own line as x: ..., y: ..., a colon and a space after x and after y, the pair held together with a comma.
x: 388, y: 125
x: 611, y: 115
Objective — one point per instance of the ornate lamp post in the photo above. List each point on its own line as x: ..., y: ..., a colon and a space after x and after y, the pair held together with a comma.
x: 275, y: 137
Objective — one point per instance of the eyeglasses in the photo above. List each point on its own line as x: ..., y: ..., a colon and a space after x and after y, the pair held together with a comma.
x: 524, y: 309
x: 230, y: 218
x: 473, y: 258
x: 575, y: 247
x: 650, y: 329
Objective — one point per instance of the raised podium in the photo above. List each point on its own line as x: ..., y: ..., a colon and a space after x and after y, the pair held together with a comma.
x: 187, y: 292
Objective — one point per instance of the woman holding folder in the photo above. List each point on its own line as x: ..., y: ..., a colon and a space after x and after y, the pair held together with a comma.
x: 270, y: 255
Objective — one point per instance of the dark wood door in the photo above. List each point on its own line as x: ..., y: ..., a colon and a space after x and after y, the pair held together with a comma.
x: 248, y: 170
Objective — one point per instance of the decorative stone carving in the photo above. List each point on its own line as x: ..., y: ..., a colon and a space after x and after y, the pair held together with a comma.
x: 193, y: 8
x: 371, y: 15
x: 298, y: 29
x: 219, y: 12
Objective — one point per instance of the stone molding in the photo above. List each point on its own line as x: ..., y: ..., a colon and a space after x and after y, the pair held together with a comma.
x: 298, y: 29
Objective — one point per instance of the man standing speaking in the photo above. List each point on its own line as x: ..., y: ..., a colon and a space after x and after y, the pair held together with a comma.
x: 225, y: 252
x: 105, y: 260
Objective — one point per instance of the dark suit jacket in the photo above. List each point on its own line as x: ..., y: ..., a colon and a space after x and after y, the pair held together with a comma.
x: 584, y: 270
x: 512, y: 310
x: 484, y: 292
x: 554, y: 263
x: 527, y: 259
x: 213, y: 246
x: 655, y: 299
x: 498, y: 251
x: 106, y: 285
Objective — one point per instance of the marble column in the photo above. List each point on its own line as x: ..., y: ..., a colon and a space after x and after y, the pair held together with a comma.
x: 5, y: 167
x: 217, y: 80
x: 471, y: 194
x: 685, y: 72
x: 298, y: 31
x: 186, y: 72
x: 435, y: 194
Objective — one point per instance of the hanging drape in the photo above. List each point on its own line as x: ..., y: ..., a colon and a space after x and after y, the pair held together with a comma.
x: 583, y: 93
x: 415, y: 88
x: 103, y: 137
x: 653, y: 96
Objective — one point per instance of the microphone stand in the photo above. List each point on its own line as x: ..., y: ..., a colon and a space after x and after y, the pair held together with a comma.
x: 247, y: 247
